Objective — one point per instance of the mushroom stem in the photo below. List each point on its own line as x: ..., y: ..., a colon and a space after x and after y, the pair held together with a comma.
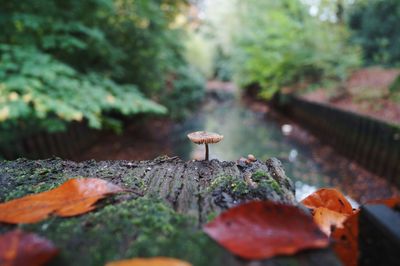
x: 206, y: 151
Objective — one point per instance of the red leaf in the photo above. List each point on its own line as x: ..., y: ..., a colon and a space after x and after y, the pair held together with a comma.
x: 346, y: 238
x: 25, y: 249
x: 391, y: 203
x: 263, y: 229
x: 74, y: 197
x: 346, y: 241
x: 329, y: 198
x: 156, y: 261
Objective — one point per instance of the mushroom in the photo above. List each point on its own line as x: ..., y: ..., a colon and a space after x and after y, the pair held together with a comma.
x: 251, y: 158
x: 202, y: 137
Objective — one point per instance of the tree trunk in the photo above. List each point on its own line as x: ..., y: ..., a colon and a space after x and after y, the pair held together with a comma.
x: 162, y: 215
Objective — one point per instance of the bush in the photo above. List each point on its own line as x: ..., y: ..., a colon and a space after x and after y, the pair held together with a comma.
x: 37, y: 90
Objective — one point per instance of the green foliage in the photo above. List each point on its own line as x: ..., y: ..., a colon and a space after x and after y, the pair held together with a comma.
x: 279, y: 44
x: 94, y: 60
x: 36, y: 87
x: 199, y: 53
x: 149, y: 46
x: 375, y: 25
x: 223, y: 66
x: 184, y: 91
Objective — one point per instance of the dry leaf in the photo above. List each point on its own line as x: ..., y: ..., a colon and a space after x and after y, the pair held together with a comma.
x: 329, y: 198
x: 391, y: 203
x: 346, y: 238
x: 263, y: 229
x: 346, y: 241
x: 156, y: 261
x: 74, y: 197
x: 25, y: 249
x: 328, y: 220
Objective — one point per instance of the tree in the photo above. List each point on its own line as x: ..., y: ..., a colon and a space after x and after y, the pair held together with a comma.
x: 375, y: 25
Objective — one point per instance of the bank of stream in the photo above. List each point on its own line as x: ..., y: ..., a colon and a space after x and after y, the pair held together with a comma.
x: 258, y: 131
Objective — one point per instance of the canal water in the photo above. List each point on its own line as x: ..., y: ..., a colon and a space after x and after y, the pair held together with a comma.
x: 247, y: 131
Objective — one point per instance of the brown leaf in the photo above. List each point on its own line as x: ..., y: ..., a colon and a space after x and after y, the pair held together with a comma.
x: 25, y: 249
x: 156, y: 261
x: 346, y: 241
x: 329, y: 198
x: 328, y: 220
x: 391, y: 203
x: 263, y: 229
x: 74, y: 197
x: 346, y: 238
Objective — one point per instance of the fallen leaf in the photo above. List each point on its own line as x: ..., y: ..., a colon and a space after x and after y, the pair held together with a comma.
x: 263, y: 229
x: 391, y: 203
x: 156, y: 261
x: 74, y: 197
x: 328, y: 220
x: 25, y: 249
x: 346, y: 241
x: 346, y: 238
x: 329, y: 198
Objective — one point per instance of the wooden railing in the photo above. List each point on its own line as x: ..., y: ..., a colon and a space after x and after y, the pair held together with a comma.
x: 372, y: 143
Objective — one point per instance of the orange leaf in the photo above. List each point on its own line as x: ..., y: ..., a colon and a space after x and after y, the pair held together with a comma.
x: 263, y: 229
x: 74, y: 197
x: 328, y: 220
x: 156, y: 261
x: 24, y: 249
x: 346, y: 238
x: 346, y: 241
x: 391, y: 203
x: 329, y: 198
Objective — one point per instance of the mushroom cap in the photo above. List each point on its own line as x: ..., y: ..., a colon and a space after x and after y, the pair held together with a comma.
x: 202, y: 137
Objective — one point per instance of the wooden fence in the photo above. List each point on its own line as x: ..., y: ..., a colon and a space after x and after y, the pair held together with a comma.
x: 44, y: 145
x: 372, y: 143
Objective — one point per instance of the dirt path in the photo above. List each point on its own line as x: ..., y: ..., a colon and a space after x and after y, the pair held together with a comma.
x: 365, y: 92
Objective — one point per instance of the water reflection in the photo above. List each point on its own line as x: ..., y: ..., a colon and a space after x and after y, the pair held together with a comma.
x: 248, y: 132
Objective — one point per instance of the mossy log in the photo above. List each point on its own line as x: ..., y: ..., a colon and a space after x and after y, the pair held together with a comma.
x: 161, y: 215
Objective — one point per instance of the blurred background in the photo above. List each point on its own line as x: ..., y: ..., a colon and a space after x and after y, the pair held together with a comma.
x: 128, y: 79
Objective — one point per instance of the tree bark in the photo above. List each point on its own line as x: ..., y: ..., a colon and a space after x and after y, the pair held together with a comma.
x: 196, y: 189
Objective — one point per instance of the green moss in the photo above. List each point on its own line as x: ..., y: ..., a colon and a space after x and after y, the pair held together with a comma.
x: 270, y: 183
x: 143, y: 227
x: 130, y: 180
x: 29, y: 183
x: 211, y: 216
x: 239, y: 189
x: 233, y: 185
x: 259, y: 175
